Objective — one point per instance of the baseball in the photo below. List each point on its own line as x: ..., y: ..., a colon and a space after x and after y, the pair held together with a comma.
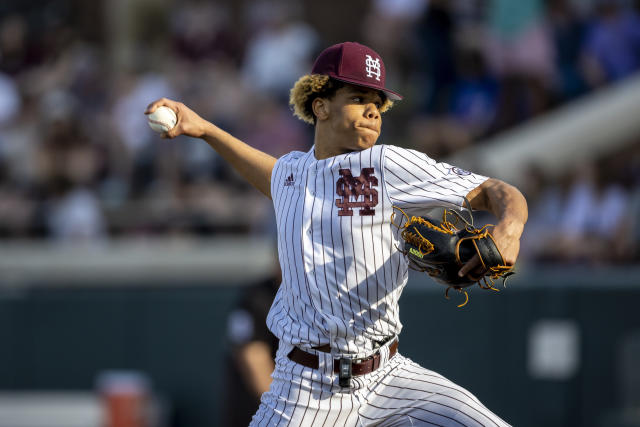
x: 162, y: 120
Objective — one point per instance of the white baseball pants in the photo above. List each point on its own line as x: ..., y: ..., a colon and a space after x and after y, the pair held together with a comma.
x: 399, y: 393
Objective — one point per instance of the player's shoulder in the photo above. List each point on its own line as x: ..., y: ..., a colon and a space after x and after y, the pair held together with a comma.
x: 293, y: 156
x: 405, y: 155
x: 292, y: 159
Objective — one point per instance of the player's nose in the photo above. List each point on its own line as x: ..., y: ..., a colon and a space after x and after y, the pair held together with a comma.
x: 372, y: 112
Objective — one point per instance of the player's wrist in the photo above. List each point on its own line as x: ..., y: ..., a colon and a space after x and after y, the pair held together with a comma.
x: 209, y: 131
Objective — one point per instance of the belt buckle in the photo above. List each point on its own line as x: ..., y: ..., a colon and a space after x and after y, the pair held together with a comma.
x: 345, y: 373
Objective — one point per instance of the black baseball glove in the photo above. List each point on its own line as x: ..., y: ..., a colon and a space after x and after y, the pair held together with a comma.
x: 441, y: 247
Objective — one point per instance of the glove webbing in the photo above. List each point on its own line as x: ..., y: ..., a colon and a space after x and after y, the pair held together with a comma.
x: 418, y: 240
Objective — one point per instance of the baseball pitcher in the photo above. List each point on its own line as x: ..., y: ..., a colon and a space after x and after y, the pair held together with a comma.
x: 342, y: 257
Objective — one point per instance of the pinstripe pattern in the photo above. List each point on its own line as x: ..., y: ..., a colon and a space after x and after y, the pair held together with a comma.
x: 342, y: 276
x: 400, y: 392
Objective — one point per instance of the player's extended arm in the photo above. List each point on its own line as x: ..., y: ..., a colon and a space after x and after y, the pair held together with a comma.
x: 508, y: 204
x: 254, y: 165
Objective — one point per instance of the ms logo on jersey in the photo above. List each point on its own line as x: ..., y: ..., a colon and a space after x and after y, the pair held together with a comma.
x: 372, y: 67
x: 357, y: 192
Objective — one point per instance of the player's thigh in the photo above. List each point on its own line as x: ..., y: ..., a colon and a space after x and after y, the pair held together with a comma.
x: 298, y: 397
x: 409, y: 394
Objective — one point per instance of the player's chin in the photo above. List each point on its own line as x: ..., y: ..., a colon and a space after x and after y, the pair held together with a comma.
x: 367, y: 140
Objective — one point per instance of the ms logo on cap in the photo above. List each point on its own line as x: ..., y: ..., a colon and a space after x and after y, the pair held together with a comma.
x: 373, y: 67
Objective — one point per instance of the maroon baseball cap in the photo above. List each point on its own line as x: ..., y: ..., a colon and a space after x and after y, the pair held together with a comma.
x: 356, y: 64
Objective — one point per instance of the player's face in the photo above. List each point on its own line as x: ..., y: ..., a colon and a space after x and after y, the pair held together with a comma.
x: 354, y: 118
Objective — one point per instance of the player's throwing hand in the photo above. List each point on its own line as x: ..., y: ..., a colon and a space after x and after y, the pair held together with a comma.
x: 189, y: 123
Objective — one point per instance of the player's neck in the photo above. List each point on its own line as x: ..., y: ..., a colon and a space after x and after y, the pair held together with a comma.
x: 323, y: 152
x: 325, y: 144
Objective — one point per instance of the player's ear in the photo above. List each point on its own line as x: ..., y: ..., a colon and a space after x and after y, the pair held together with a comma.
x: 320, y: 108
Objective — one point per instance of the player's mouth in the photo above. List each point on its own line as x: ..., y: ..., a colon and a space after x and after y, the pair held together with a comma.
x: 369, y: 128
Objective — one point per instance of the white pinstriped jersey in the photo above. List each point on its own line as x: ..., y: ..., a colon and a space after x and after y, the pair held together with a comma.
x: 342, y: 271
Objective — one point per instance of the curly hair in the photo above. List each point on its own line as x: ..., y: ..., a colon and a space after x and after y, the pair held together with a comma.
x: 310, y: 87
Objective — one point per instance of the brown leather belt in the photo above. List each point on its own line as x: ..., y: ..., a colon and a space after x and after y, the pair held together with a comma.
x: 363, y: 366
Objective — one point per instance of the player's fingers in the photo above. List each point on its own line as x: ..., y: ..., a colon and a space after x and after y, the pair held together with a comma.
x: 469, y: 266
x: 158, y: 103
x: 177, y: 130
x: 171, y: 133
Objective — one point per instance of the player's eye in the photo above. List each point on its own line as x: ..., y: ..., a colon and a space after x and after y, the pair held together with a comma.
x: 378, y: 105
x: 357, y: 99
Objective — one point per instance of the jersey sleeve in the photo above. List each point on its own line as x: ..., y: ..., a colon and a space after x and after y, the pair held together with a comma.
x: 275, y: 174
x: 415, y: 180
x: 283, y: 166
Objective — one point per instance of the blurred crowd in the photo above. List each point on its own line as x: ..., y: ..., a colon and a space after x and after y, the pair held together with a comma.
x: 79, y: 163
x: 590, y: 215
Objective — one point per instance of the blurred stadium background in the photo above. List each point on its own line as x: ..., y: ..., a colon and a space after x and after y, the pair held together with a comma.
x: 122, y: 255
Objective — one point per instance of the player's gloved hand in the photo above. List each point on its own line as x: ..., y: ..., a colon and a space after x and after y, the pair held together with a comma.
x: 507, y: 238
x: 444, y: 248
x: 189, y: 123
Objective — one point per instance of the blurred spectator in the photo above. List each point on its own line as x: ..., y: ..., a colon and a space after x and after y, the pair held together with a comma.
x: 519, y: 43
x: 611, y: 226
x: 619, y: 212
x: 436, y: 55
x: 545, y: 200
x: 280, y: 52
x: 203, y: 31
x: 612, y: 45
x: 9, y: 99
x: 17, y: 208
x: 253, y: 350
x: 16, y: 54
x: 474, y: 100
x: 568, y: 30
x: 397, y: 17
x: 19, y: 140
x: 520, y: 52
x: 579, y: 211
x: 75, y: 217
